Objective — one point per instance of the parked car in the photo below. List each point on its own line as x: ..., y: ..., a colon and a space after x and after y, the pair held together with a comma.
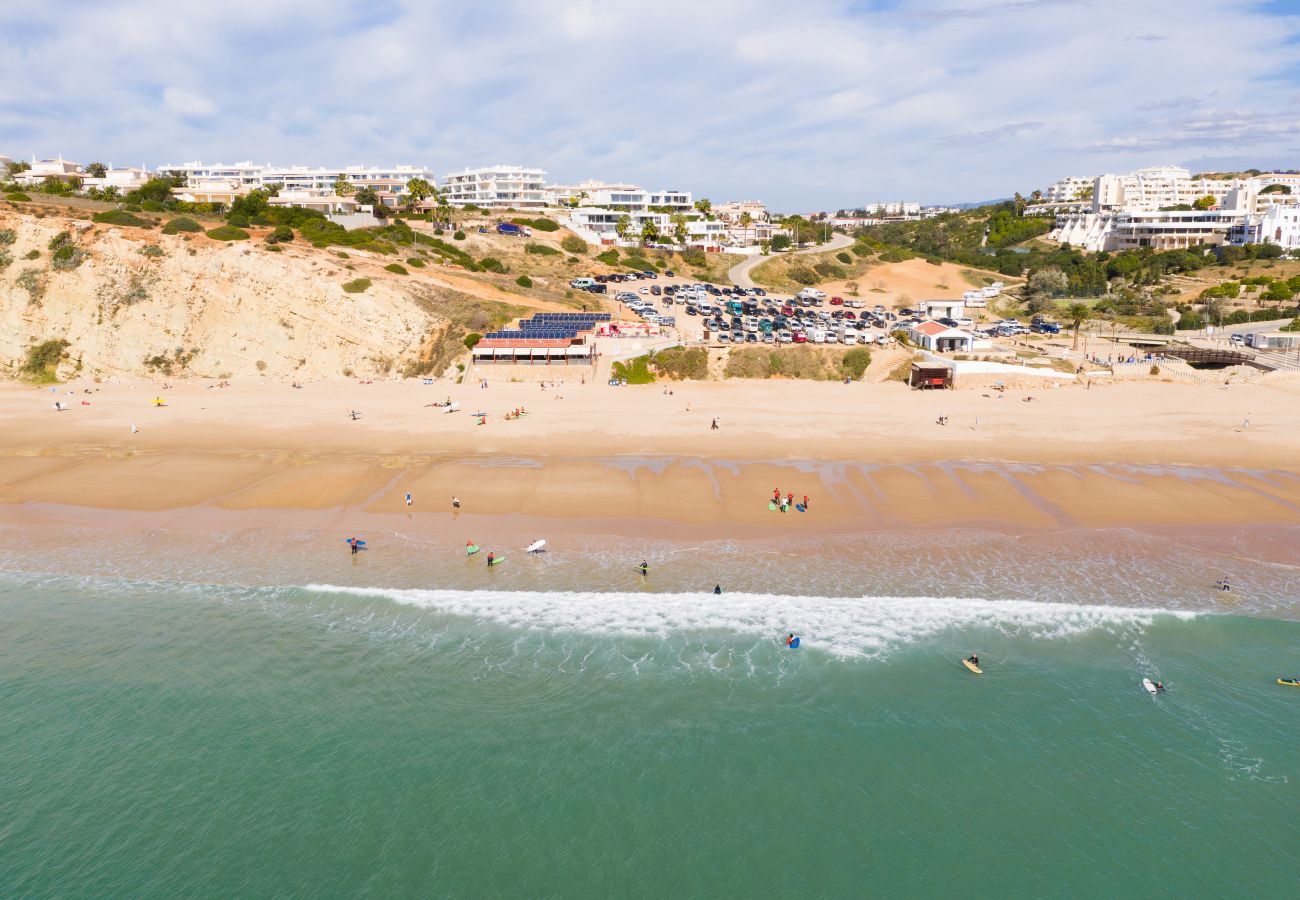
x: 837, y: 301
x: 669, y: 273
x: 800, y: 337
x: 1237, y: 339
x: 724, y: 337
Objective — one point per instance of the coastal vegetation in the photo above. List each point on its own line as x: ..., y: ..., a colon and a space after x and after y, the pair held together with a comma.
x: 181, y: 224
x: 42, y: 361
x: 801, y: 362
x: 121, y: 217
x: 356, y: 286
x: 228, y: 233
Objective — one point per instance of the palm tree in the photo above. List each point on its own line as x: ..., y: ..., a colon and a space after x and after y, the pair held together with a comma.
x: 649, y: 232
x: 1078, y: 313
x: 418, y: 190
x: 623, y: 226
x: 679, y: 226
x: 343, y: 187
x: 745, y: 221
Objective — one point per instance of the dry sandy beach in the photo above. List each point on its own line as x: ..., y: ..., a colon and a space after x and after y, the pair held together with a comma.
x: 637, y: 460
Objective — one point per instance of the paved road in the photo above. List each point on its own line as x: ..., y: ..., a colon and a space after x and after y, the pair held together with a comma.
x: 739, y: 273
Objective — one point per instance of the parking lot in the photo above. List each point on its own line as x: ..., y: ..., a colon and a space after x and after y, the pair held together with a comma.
x: 727, y: 316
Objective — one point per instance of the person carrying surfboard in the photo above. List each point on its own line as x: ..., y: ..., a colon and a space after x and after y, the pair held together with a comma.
x: 491, y: 560
x: 644, y: 568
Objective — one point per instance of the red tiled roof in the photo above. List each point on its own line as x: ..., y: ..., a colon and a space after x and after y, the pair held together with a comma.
x: 930, y: 328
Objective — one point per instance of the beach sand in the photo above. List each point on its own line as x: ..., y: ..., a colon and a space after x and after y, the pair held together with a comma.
x: 635, y: 460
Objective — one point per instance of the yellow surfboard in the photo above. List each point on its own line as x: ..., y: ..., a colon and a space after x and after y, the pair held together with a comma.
x: 974, y: 668
x: 1294, y: 682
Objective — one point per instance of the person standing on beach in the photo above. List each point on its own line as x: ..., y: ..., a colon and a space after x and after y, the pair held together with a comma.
x: 492, y: 557
x: 455, y: 503
x: 805, y: 501
x: 409, y: 501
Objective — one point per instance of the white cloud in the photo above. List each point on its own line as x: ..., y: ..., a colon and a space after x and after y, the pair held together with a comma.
x: 188, y: 103
x: 818, y: 104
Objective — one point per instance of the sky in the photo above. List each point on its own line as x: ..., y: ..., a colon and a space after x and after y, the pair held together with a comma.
x: 807, y: 106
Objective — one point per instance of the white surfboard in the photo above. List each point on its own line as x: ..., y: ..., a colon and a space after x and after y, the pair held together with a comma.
x: 1149, y: 686
x: 535, y: 546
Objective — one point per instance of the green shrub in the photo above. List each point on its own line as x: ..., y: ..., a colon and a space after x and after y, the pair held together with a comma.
x: 635, y: 371
x: 538, y: 224
x: 492, y: 264
x: 282, y: 234
x: 32, y: 254
x: 6, y: 259
x: 7, y: 237
x: 17, y: 197
x: 695, y: 258
x: 416, y: 262
x: 860, y: 250
x: 62, y: 239
x: 524, y: 281
x: 458, y: 236
x: 120, y: 217
x: 228, y: 233
x: 356, y: 286
x: 637, y: 264
x: 803, y: 275
x: 896, y: 254
x: 42, y: 360
x: 828, y: 271
x: 541, y: 250
x: 471, y: 340
x: 609, y: 257
x: 682, y: 362
x: 844, y: 258
x: 181, y: 223
x: 574, y: 244
x: 855, y: 362
x: 67, y: 258
x: 153, y: 251
x: 395, y: 268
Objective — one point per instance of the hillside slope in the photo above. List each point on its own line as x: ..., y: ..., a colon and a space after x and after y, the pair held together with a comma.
x: 195, y: 306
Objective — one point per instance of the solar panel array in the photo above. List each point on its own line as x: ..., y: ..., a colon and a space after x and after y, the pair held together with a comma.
x: 552, y: 326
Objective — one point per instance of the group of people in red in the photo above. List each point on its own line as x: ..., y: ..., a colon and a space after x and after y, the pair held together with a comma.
x: 784, y: 503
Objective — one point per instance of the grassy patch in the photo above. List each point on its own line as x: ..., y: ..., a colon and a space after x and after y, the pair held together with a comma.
x: 395, y: 269
x: 682, y: 362
x: 17, y: 197
x: 541, y: 250
x: 538, y: 224
x: 802, y: 362
x: 634, y: 371
x: 356, y: 286
x: 524, y: 281
x: 42, y: 361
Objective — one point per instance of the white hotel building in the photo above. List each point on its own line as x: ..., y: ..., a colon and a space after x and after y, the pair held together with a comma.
x: 1133, y: 210
x: 497, y: 187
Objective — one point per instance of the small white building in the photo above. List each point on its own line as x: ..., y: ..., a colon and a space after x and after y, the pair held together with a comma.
x: 41, y: 169
x: 938, y: 338
x: 1277, y: 225
x: 123, y: 180
x: 943, y: 309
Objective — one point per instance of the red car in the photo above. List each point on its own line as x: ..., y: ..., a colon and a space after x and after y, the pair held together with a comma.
x: 848, y: 314
x: 787, y: 310
x: 800, y: 337
x: 837, y: 301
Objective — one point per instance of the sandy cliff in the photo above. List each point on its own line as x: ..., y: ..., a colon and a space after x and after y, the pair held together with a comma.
x: 211, y: 308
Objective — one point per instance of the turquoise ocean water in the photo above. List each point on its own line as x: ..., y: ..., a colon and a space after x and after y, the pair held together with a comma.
x: 262, y: 715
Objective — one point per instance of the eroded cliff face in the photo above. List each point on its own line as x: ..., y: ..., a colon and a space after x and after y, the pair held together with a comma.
x: 140, y: 302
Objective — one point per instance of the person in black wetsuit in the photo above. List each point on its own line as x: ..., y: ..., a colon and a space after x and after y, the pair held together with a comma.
x: 644, y: 568
x: 717, y: 589
x: 973, y: 659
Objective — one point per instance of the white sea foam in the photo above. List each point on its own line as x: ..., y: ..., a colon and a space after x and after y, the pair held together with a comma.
x: 842, y: 626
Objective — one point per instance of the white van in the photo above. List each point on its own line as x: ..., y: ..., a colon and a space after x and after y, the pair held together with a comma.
x: 811, y: 294
x: 965, y: 322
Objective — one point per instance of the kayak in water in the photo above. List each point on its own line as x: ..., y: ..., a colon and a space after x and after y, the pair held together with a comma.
x: 1294, y: 682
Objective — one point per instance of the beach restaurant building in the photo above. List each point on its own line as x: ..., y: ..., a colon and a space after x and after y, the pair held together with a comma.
x: 939, y: 338
x: 546, y: 339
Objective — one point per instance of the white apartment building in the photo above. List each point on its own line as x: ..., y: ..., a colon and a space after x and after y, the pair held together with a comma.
x: 628, y: 197
x: 892, y: 208
x: 732, y: 210
x: 497, y: 187
x: 230, y: 180
x: 600, y: 225
x: 1277, y: 225
x: 1070, y: 189
x: 122, y: 179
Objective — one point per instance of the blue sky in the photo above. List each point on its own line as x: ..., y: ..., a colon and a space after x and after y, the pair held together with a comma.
x: 807, y: 105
